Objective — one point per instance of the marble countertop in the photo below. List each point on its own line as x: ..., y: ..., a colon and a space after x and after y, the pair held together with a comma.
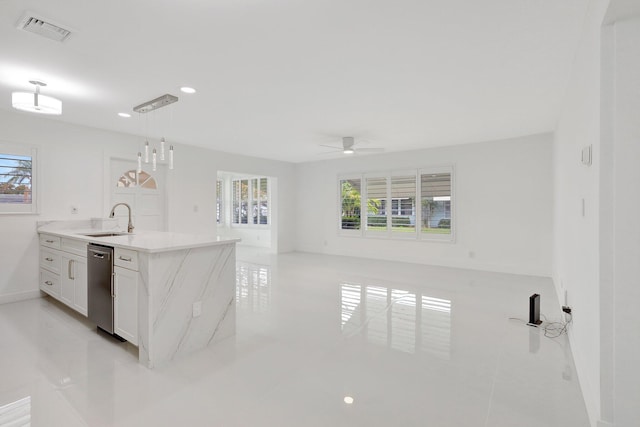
x: 145, y: 241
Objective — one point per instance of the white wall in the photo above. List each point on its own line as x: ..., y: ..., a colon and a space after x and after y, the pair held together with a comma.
x: 596, y: 256
x: 576, y: 239
x: 620, y: 261
x: 203, y: 166
x: 503, y: 206
x: 71, y: 173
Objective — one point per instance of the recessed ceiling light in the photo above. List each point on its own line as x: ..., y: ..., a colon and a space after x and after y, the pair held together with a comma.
x: 187, y: 89
x: 348, y: 400
x: 126, y: 115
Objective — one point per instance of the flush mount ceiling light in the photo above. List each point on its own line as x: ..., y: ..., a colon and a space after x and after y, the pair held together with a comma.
x: 34, y: 102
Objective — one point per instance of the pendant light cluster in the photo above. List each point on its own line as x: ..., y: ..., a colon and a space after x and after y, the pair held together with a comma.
x: 152, y: 105
x: 154, y: 155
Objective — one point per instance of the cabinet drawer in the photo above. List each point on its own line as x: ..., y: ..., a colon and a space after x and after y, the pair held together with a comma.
x: 78, y: 247
x: 50, y: 283
x: 126, y: 258
x: 50, y: 260
x: 50, y: 241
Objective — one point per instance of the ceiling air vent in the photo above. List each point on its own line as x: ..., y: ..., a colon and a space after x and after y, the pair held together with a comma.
x: 43, y: 27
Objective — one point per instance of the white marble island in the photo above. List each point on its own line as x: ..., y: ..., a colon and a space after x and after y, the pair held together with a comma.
x: 174, y: 274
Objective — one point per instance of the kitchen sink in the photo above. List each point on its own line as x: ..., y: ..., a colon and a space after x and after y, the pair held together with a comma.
x: 107, y: 234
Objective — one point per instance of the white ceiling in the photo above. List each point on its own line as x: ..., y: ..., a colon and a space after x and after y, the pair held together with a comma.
x: 275, y: 78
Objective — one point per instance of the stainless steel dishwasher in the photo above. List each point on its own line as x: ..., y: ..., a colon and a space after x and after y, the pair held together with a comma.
x: 100, y: 286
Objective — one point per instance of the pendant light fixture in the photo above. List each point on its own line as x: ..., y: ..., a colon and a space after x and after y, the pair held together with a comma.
x: 147, y: 107
x: 35, y: 102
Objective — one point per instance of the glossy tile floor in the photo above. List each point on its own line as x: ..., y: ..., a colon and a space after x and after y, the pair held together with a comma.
x: 410, y: 345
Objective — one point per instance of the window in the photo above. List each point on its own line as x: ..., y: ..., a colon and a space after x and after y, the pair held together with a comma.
x: 17, y: 179
x: 219, y: 201
x: 133, y: 179
x: 250, y: 200
x: 404, y: 204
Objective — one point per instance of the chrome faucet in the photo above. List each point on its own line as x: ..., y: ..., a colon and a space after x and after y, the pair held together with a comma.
x: 113, y: 209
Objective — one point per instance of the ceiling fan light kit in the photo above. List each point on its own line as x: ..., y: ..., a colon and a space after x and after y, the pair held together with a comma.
x: 348, y: 147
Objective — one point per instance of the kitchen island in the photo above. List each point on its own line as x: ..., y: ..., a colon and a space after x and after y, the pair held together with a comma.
x: 183, y: 286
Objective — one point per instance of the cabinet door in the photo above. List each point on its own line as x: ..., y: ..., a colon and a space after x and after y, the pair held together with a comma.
x: 73, y: 282
x: 126, y: 304
x: 80, y: 302
x: 67, y: 283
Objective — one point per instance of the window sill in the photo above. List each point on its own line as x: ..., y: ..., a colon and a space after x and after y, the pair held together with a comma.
x: 398, y: 237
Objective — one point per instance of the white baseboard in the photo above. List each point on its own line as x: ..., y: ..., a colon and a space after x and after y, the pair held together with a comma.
x: 19, y: 296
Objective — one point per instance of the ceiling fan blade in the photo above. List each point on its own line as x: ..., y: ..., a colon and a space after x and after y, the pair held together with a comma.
x: 370, y: 150
x: 330, y: 146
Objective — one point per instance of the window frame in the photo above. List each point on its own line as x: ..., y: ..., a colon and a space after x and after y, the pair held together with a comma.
x: 389, y: 233
x: 20, y: 208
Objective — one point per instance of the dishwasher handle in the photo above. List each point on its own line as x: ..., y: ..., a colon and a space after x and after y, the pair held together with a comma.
x: 97, y: 253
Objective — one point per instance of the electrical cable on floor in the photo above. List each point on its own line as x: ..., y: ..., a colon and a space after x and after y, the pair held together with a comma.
x: 555, y: 329
x: 551, y: 329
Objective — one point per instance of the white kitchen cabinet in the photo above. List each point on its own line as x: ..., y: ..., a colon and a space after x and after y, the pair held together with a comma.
x: 73, y: 282
x: 63, y: 270
x: 126, y: 304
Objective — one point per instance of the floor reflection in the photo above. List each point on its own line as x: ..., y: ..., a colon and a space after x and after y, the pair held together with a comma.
x: 253, y: 287
x: 398, y: 319
x: 16, y: 413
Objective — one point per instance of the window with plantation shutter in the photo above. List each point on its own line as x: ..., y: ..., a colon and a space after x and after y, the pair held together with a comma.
x: 219, y: 201
x: 240, y: 189
x: 250, y: 201
x: 400, y: 204
x: 376, y: 204
x: 403, y: 204
x: 435, y: 202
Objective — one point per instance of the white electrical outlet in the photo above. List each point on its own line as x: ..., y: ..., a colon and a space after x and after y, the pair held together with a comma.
x: 197, y: 309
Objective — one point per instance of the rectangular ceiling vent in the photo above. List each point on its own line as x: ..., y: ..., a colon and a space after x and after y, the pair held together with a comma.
x: 43, y: 27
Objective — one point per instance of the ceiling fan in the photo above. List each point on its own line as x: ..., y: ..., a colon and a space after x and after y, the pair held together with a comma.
x: 348, y: 147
